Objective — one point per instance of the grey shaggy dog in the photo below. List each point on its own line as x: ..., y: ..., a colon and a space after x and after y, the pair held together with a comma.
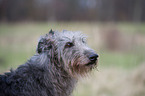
x: 61, y: 58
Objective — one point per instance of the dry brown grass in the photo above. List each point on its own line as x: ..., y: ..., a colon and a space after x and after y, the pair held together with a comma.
x: 113, y: 82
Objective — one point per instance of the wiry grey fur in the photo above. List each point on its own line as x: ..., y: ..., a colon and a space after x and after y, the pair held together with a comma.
x: 61, y: 57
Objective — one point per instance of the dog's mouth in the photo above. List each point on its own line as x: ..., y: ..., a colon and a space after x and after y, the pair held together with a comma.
x: 91, y: 63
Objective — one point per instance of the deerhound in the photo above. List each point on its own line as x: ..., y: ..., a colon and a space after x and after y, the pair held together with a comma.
x: 60, y: 59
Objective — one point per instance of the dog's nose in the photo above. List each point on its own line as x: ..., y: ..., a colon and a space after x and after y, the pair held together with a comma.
x: 93, y: 57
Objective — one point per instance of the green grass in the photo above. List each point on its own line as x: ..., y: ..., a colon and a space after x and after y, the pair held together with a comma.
x: 138, y: 28
x: 125, y: 60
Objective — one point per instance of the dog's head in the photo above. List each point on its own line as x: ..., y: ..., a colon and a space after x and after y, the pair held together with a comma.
x: 69, y: 50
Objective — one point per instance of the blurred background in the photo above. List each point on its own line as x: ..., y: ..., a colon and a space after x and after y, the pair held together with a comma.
x: 115, y: 29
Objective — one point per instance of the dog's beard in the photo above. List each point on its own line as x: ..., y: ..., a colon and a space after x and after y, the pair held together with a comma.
x: 81, y: 67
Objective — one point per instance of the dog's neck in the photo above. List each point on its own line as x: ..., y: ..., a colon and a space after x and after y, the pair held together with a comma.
x: 50, y: 75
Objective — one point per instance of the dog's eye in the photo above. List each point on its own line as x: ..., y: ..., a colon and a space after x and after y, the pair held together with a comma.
x: 68, y: 45
x: 84, y: 41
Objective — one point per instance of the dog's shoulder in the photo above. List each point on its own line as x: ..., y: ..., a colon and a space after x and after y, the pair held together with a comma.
x: 2, y: 84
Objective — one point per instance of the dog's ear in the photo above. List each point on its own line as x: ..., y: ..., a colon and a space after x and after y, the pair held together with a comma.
x: 51, y: 32
x: 45, y: 42
x: 44, y: 45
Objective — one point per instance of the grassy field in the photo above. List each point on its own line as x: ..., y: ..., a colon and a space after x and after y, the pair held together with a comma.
x: 117, y: 64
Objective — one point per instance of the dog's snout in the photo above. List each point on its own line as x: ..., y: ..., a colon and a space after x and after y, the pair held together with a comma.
x: 93, y: 57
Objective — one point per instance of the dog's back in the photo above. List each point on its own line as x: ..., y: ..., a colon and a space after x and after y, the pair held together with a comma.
x: 7, y: 85
x: 3, y: 85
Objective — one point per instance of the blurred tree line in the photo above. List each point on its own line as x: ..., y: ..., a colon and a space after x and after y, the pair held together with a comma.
x: 69, y: 10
